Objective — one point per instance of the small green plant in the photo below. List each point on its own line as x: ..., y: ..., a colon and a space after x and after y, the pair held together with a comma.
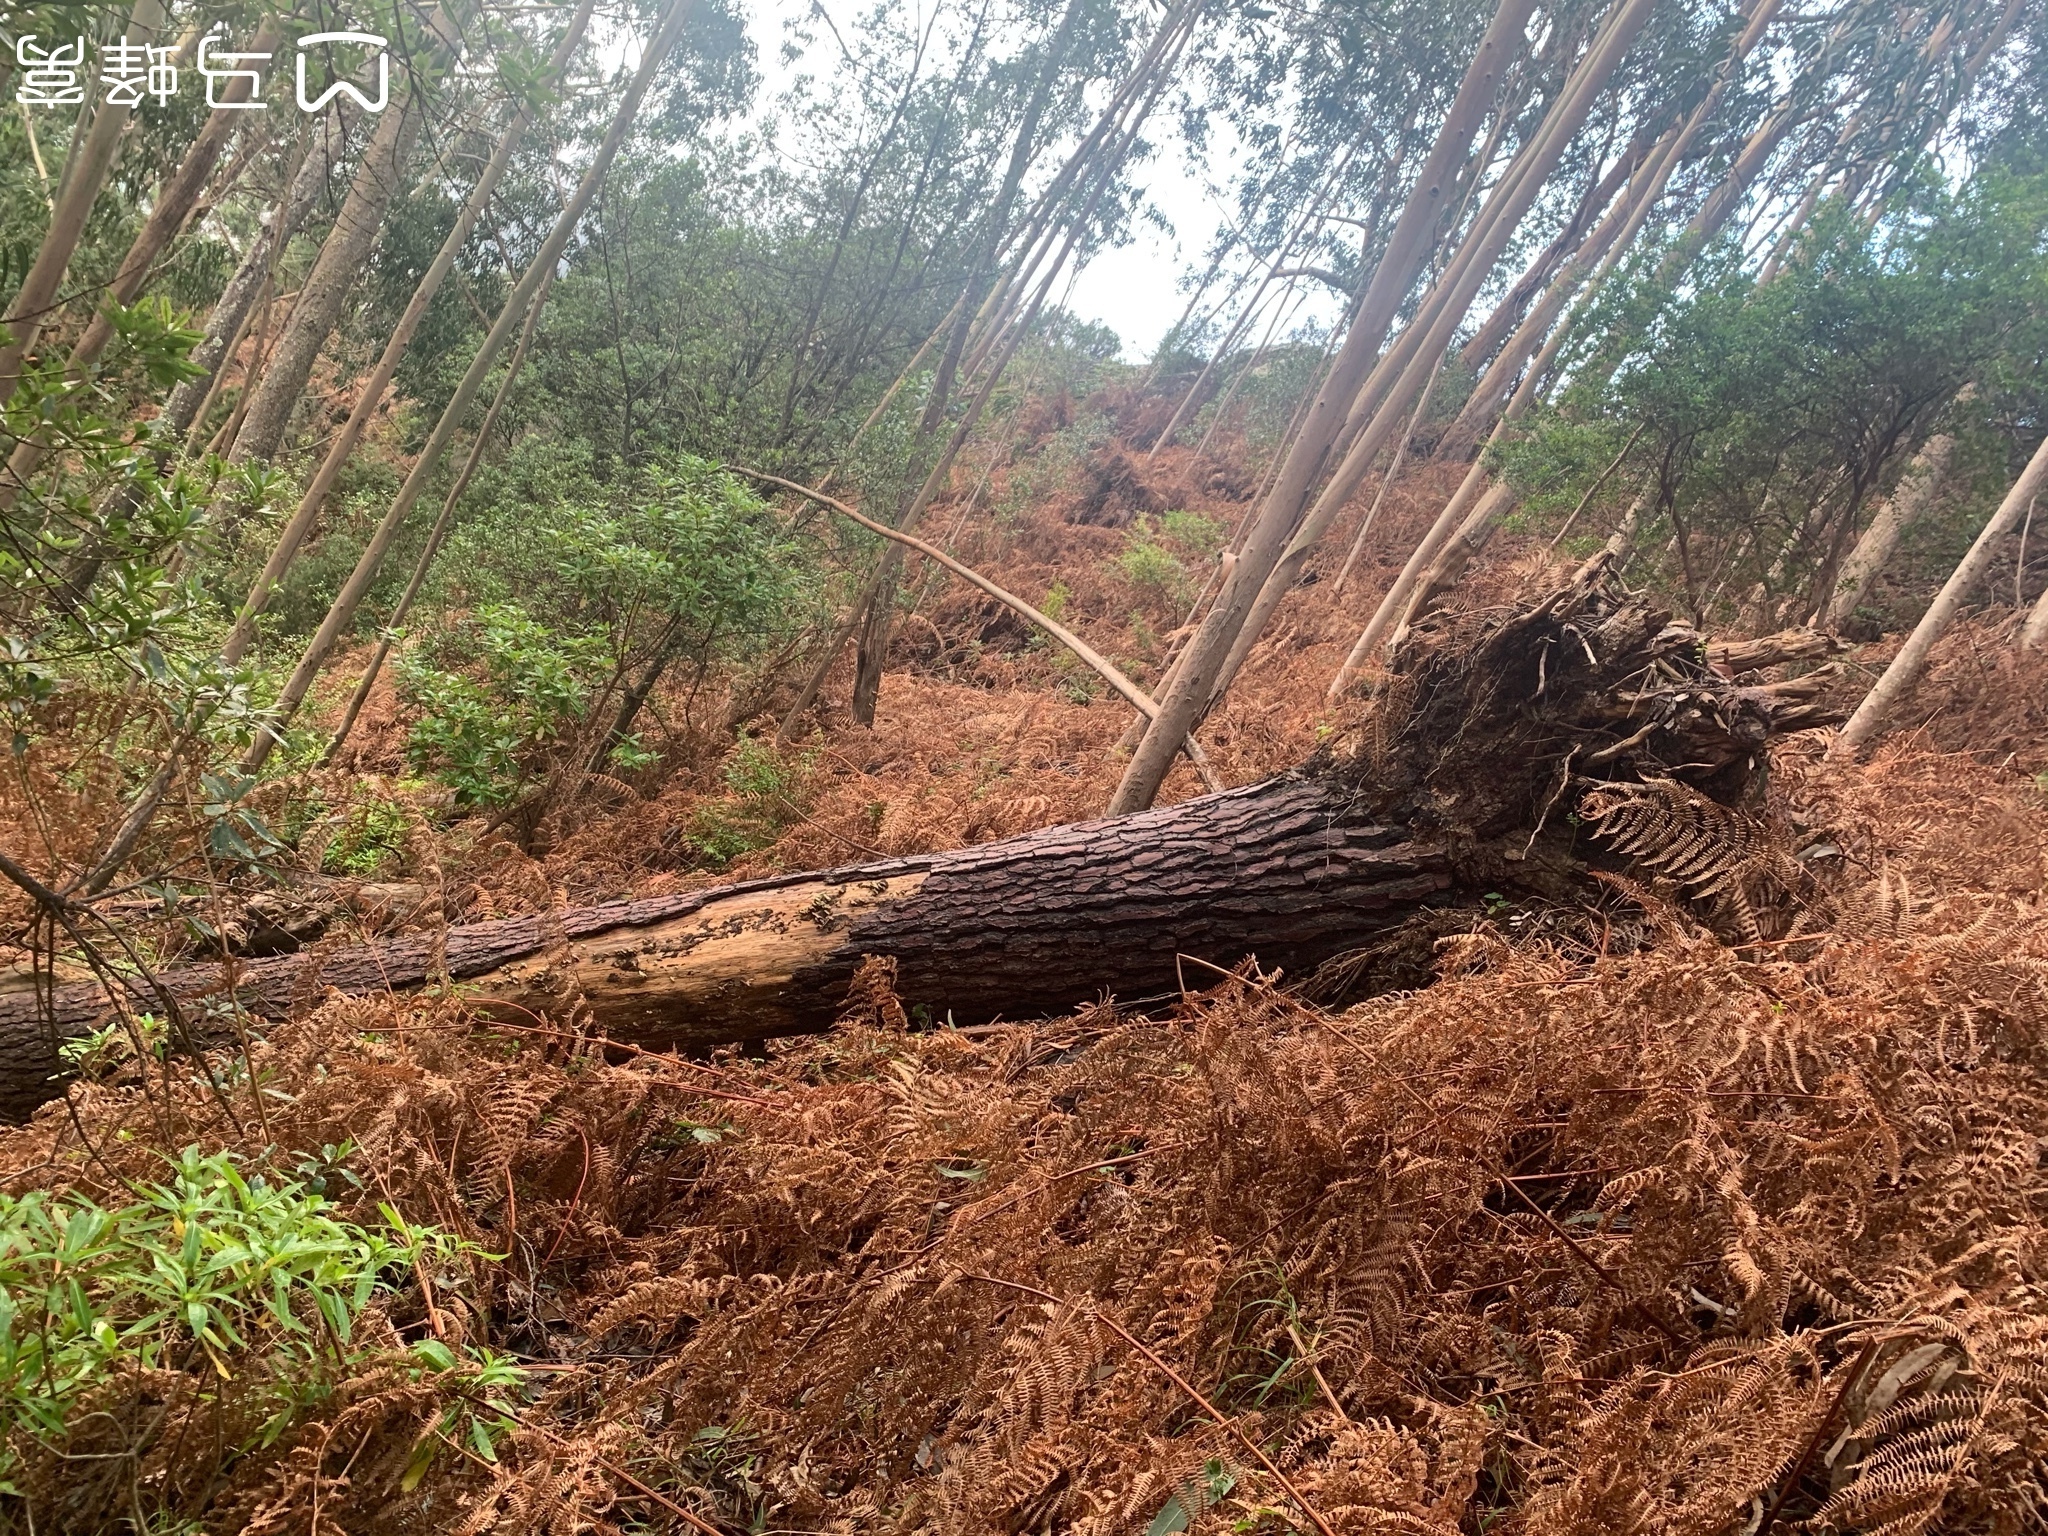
x: 480, y: 727
x: 764, y: 793
x: 97, y: 1052
x: 479, y: 1417
x: 215, y: 1267
x: 631, y: 754
x: 1190, y: 535
x: 1159, y: 551
x: 371, y: 840
x: 1147, y: 564
x: 1054, y: 604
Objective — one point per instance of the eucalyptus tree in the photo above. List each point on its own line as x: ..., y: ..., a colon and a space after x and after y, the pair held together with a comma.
x: 537, y: 273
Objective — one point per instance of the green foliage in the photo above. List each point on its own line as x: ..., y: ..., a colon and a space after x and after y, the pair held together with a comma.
x: 764, y: 793
x: 683, y: 566
x: 97, y: 1052
x: 1190, y: 534
x: 1158, y: 552
x: 480, y: 1415
x: 215, y: 1266
x: 686, y: 558
x: 371, y: 839
x: 523, y: 685
x: 1147, y: 564
x: 1772, y: 416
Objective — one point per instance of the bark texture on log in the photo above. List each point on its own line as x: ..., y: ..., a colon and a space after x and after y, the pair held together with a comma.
x: 1027, y: 926
x: 1455, y: 781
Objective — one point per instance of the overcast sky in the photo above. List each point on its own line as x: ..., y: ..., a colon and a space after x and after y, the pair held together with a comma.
x: 1134, y: 290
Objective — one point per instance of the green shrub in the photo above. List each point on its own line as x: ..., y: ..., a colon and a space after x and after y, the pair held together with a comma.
x: 684, y: 566
x: 371, y: 840
x: 1158, y: 552
x: 764, y: 793
x: 261, y: 1282
x: 1193, y: 536
x: 478, y: 729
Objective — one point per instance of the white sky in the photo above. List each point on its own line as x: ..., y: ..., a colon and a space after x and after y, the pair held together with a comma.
x: 1134, y: 290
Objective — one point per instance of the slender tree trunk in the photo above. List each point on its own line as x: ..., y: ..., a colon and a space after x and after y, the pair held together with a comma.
x: 371, y: 395
x: 875, y: 623
x: 1041, y: 231
x: 36, y: 301
x: 869, y: 617
x: 438, y: 535
x: 1906, y: 667
x: 635, y: 698
x: 1466, y: 519
x: 1413, y: 360
x: 1908, y: 503
x: 1274, y: 522
x: 229, y: 320
x: 1192, y: 400
x: 342, y: 611
x: 281, y: 390
x: 175, y: 201
x: 1606, y: 247
x: 1572, y: 239
x: 2034, y: 636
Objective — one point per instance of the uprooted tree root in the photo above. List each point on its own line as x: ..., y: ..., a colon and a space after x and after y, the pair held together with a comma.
x: 1687, y: 1239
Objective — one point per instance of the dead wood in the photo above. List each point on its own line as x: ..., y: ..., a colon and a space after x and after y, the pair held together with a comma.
x: 1448, y: 786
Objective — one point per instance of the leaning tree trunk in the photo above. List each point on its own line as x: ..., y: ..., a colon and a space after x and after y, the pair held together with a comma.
x: 1905, y: 669
x: 1455, y: 786
x: 35, y: 303
x: 281, y: 389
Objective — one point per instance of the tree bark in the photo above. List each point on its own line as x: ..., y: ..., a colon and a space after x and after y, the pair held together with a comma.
x: 1906, y: 667
x: 36, y: 300
x: 335, y: 271
x: 1906, y: 505
x: 1450, y: 791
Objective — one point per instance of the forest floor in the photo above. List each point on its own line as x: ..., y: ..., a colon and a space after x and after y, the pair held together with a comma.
x: 1612, y: 1227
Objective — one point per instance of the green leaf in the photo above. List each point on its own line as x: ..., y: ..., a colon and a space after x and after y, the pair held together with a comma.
x: 415, y: 1469
x: 434, y: 1353
x: 1170, y: 1519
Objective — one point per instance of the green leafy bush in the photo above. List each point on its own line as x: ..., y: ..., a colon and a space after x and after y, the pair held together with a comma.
x: 214, y: 1268
x: 370, y: 840
x: 683, y: 568
x: 1159, y: 551
x: 764, y: 793
x: 478, y: 727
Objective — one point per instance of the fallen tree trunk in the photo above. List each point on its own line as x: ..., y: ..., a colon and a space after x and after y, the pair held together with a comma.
x: 1444, y: 791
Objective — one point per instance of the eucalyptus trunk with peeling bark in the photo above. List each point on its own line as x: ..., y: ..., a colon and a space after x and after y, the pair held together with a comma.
x: 36, y: 302
x: 336, y: 270
x: 1451, y: 790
